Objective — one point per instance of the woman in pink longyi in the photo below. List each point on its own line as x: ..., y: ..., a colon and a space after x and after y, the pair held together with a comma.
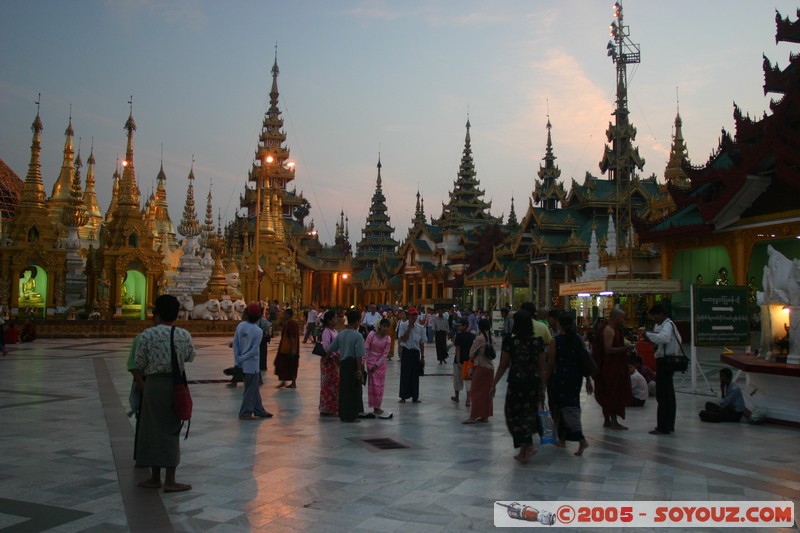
x: 377, y: 347
x: 329, y: 369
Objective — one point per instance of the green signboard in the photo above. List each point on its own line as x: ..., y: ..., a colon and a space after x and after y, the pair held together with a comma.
x: 720, y: 314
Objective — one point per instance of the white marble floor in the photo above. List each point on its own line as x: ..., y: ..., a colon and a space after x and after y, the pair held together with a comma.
x: 65, y: 454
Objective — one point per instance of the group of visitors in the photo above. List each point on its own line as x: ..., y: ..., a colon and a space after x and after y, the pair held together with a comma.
x: 545, y: 370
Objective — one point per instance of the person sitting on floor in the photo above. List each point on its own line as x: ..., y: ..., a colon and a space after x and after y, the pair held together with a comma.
x: 638, y: 385
x: 732, y: 407
x: 647, y: 373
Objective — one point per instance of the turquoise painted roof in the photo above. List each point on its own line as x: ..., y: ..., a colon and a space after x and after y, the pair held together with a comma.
x: 422, y: 245
x: 688, y: 216
x: 363, y: 275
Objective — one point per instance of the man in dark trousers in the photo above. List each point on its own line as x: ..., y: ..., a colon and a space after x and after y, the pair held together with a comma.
x: 667, y: 339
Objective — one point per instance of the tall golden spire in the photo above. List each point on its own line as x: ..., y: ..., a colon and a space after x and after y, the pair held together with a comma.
x: 190, y: 225
x: 89, y: 194
x: 678, y: 157
x: 164, y: 226
x: 62, y: 186
x: 33, y: 195
x: 31, y: 221
x: 112, y: 206
x: 74, y: 213
x: 128, y: 190
x: 61, y: 189
x: 91, y: 230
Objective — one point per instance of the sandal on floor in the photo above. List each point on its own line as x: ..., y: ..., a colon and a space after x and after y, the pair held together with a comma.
x: 385, y: 415
x: 469, y: 421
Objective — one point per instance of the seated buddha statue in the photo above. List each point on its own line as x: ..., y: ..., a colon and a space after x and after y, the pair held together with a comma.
x: 127, y: 297
x: 27, y: 288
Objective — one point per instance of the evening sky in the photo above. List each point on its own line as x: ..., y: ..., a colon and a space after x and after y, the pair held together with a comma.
x: 357, y: 77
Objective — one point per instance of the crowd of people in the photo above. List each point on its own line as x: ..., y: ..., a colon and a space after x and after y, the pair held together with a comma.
x: 546, y: 364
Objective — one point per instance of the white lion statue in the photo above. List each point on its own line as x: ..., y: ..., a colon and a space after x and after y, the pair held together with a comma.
x: 187, y: 305
x: 239, y: 307
x: 225, y: 309
x: 206, y: 311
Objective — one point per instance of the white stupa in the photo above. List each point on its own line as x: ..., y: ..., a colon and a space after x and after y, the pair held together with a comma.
x: 593, y: 270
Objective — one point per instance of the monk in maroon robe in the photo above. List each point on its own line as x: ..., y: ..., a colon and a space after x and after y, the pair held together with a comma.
x: 612, y: 383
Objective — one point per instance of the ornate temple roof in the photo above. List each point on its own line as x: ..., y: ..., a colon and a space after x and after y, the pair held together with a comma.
x: 10, y: 191
x: 753, y: 173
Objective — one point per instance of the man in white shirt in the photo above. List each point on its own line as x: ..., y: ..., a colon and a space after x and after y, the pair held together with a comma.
x: 441, y: 328
x: 311, y: 324
x: 371, y: 318
x: 668, y: 340
x: 412, y: 345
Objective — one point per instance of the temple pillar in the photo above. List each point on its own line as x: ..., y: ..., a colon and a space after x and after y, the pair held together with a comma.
x: 535, y: 295
x: 739, y: 266
x: 533, y: 277
x: 405, y: 291
x: 335, y: 289
x: 498, y: 294
x: 424, y: 289
x: 306, y: 287
x: 566, y: 280
x: 475, y: 297
x: 666, y: 254
x: 547, y: 284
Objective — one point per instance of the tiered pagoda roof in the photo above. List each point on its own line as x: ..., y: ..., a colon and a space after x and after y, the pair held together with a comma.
x: 466, y: 209
x: 377, y: 233
x: 190, y: 225
x: 548, y: 193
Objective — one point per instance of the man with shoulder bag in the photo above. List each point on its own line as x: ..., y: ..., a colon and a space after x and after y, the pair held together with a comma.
x: 669, y: 358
